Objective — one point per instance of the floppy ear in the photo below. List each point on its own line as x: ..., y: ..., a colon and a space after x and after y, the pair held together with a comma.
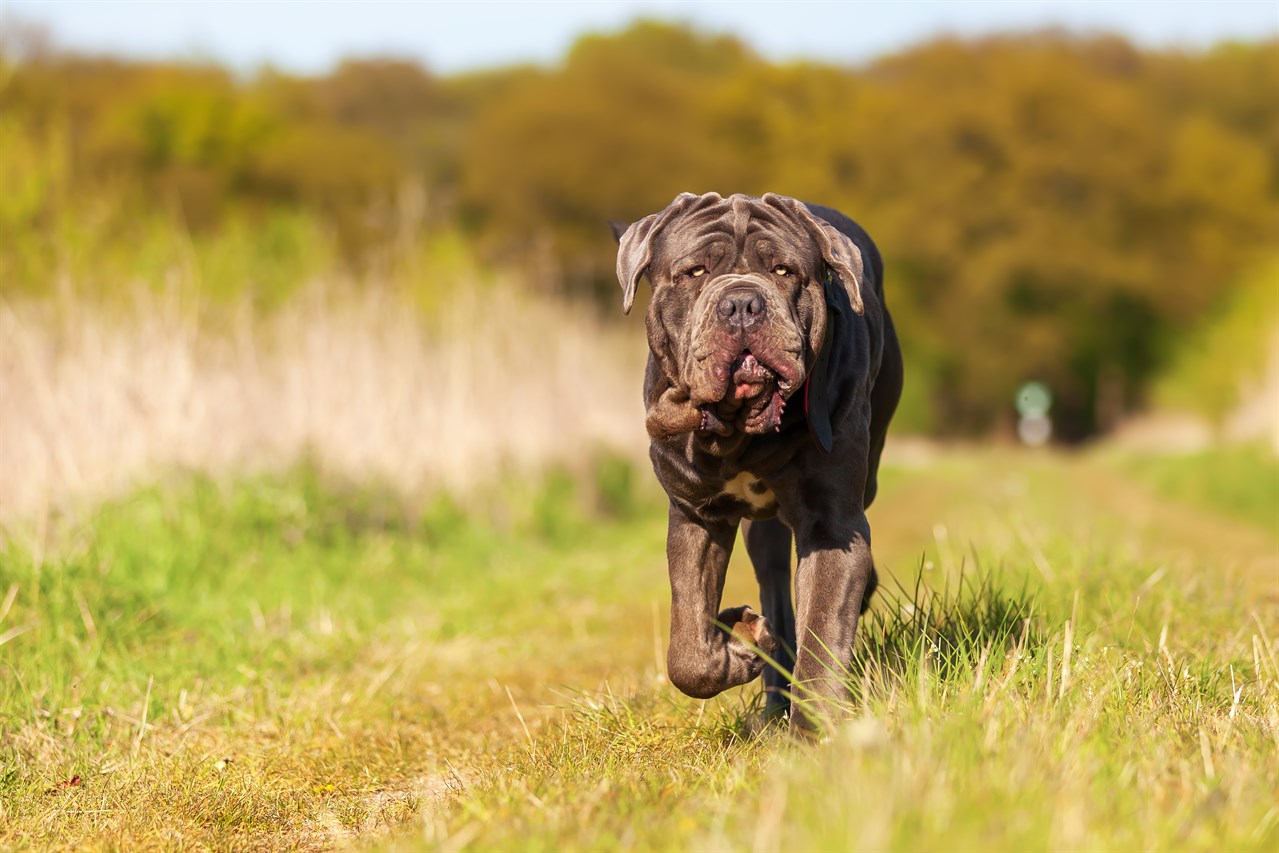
x: 839, y: 252
x: 635, y: 247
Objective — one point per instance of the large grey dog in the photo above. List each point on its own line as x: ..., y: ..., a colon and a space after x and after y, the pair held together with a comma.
x: 773, y: 372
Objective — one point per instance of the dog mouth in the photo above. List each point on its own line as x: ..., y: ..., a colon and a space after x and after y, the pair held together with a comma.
x: 750, y: 376
x: 753, y: 402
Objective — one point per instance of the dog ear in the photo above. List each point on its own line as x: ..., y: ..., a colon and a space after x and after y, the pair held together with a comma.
x: 635, y: 246
x: 618, y: 228
x: 839, y: 252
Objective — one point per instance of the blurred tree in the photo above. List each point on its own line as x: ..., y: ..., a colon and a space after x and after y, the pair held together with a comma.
x: 1051, y: 207
x: 620, y: 130
x: 1047, y: 223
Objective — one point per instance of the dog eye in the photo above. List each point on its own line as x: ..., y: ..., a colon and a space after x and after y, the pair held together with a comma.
x: 782, y: 270
x: 696, y: 271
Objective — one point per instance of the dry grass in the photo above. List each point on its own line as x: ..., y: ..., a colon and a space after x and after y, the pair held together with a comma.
x: 356, y: 379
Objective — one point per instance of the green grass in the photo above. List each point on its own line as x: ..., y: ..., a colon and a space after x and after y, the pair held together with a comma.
x: 1059, y: 657
x: 280, y: 626
x: 1240, y: 481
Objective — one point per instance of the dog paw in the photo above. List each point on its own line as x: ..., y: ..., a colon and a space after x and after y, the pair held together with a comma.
x: 750, y: 629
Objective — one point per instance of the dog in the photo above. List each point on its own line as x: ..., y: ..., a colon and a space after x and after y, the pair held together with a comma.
x: 773, y: 372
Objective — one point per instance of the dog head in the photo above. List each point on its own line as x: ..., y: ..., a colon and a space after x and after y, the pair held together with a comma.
x: 738, y: 310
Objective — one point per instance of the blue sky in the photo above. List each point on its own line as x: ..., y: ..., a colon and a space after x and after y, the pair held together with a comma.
x: 453, y: 36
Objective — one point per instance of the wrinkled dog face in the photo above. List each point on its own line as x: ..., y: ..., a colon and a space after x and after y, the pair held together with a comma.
x: 738, y: 310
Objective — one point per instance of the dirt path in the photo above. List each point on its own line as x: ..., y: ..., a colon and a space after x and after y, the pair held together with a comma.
x: 1249, y: 553
x: 932, y: 510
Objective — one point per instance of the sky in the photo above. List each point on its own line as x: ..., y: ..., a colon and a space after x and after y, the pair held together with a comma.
x: 308, y: 37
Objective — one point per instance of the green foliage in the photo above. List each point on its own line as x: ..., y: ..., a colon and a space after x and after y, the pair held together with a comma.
x: 270, y: 258
x: 56, y: 239
x: 617, y: 132
x: 1051, y: 207
x: 1211, y: 368
x: 615, y: 488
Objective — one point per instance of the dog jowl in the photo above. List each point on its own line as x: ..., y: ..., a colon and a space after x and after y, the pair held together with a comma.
x: 773, y: 372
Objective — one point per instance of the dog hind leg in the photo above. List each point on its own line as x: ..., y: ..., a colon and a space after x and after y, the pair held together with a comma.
x: 769, y: 544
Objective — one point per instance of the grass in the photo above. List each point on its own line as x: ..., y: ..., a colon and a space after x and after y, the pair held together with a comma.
x: 1062, y: 658
x: 1237, y: 481
x: 257, y: 658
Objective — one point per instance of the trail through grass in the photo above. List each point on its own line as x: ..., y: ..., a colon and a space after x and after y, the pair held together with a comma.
x: 1061, y: 657
x: 1238, y: 481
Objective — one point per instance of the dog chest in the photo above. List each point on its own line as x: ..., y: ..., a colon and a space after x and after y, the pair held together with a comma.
x: 750, y: 490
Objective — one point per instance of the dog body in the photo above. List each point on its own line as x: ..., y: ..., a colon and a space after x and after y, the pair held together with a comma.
x: 772, y: 375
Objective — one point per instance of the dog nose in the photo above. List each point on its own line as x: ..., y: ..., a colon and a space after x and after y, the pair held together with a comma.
x: 741, y: 307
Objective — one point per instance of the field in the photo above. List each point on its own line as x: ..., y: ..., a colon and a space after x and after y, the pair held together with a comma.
x: 326, y: 519
x: 1067, y: 653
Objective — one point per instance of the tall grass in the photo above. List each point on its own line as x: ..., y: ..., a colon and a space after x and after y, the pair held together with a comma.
x: 356, y: 379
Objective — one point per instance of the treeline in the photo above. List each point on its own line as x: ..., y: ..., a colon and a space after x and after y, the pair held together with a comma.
x: 1049, y: 206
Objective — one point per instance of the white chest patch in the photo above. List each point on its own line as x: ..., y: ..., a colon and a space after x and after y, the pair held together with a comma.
x: 746, y: 488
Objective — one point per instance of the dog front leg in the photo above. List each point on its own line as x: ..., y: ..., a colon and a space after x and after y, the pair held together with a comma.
x: 832, y: 579
x: 703, y: 659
